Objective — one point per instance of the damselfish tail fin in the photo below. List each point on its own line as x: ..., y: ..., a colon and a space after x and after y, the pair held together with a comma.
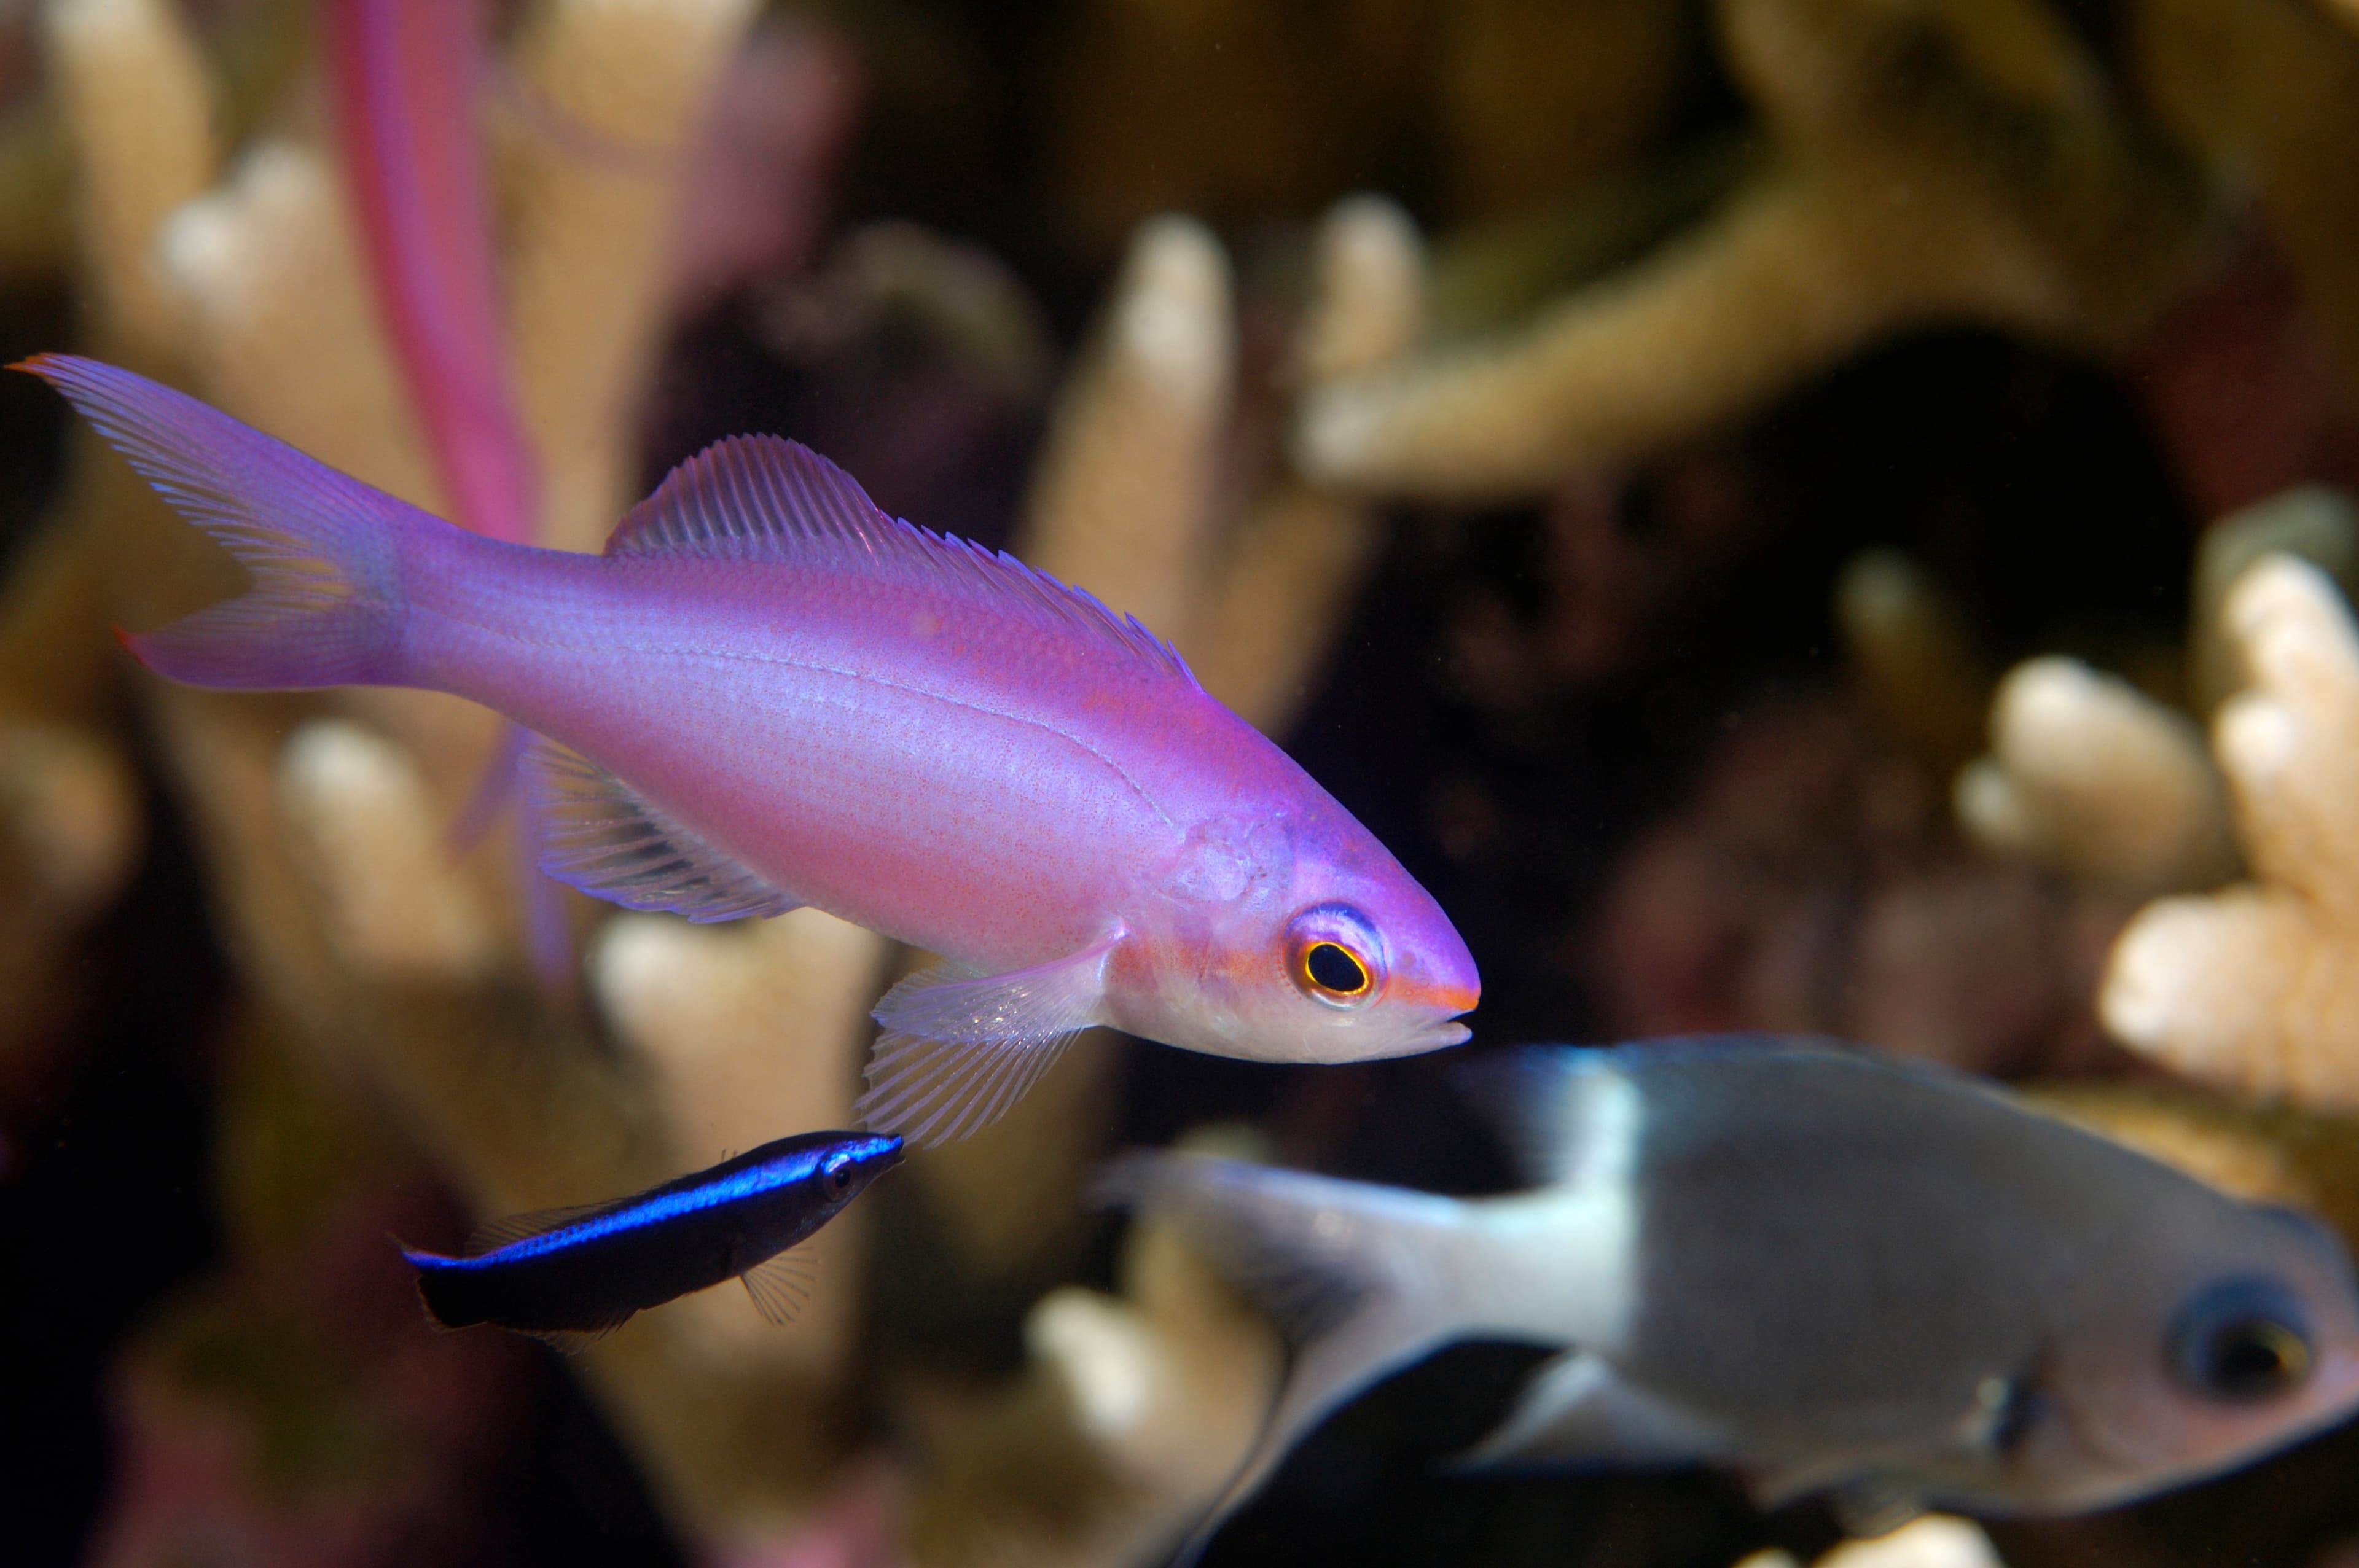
x: 1361, y: 1279
x: 325, y: 607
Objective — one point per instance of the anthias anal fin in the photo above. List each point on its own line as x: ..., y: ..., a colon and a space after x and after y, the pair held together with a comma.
x: 781, y: 1286
x: 604, y: 838
x: 958, y: 1050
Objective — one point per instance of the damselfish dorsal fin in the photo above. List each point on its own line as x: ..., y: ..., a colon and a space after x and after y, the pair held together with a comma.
x: 602, y: 835
x: 1552, y: 1106
x: 495, y: 1233
x: 781, y: 1285
x: 763, y: 498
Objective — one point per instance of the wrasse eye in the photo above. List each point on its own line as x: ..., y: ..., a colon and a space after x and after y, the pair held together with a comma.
x: 2240, y: 1341
x: 1333, y: 957
x: 835, y: 1179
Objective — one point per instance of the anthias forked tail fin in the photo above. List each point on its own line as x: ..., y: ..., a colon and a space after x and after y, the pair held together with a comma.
x: 1360, y: 1279
x: 325, y: 606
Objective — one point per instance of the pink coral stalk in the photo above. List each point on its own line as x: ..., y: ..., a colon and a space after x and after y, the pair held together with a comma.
x: 405, y: 74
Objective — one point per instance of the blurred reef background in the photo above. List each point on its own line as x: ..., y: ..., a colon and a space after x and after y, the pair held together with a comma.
x: 1822, y: 515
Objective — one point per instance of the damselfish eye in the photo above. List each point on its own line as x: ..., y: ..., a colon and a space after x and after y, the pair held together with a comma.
x: 1334, y: 956
x: 2241, y: 1340
x: 835, y: 1179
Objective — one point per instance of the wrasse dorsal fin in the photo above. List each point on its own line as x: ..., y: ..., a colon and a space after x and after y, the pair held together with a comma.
x: 763, y: 498
x: 958, y: 1049
x: 495, y: 1233
x: 781, y: 1286
x: 599, y: 835
x: 1576, y: 1407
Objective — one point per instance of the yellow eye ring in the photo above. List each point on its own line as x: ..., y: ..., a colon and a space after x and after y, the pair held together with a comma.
x: 1334, y: 956
x: 1332, y: 969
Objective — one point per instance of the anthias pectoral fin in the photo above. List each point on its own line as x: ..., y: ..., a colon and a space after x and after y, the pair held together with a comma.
x: 602, y: 835
x: 958, y: 1049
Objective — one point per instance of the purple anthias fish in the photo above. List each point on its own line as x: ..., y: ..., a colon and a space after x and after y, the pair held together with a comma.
x: 768, y: 693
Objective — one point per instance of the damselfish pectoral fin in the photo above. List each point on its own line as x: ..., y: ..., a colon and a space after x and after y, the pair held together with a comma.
x: 1867, y: 1501
x: 781, y: 1286
x: 1576, y: 1410
x: 958, y: 1049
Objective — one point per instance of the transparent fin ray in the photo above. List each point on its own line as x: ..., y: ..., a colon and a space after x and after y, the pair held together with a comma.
x: 762, y: 498
x: 495, y: 1233
x: 602, y: 836
x: 574, y: 1341
x: 782, y: 1286
x: 958, y: 1049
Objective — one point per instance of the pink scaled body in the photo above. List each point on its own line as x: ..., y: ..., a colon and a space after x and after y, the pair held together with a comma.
x: 767, y: 692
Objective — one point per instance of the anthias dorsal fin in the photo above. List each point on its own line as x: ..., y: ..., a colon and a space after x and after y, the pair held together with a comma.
x: 764, y: 498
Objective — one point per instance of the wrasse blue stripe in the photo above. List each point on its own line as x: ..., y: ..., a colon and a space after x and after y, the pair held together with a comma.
x: 572, y: 1276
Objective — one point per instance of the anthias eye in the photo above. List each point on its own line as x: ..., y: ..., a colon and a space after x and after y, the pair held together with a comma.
x: 1334, y: 956
x: 2244, y: 1340
x: 1332, y: 967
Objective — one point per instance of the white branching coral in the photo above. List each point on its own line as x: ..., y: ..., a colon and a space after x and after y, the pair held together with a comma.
x: 137, y: 105
x: 1139, y: 1405
x: 2094, y: 777
x: 2251, y: 987
x: 1936, y: 1540
x: 1944, y: 162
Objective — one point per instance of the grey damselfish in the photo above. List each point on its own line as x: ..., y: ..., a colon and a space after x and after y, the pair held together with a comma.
x: 1831, y: 1272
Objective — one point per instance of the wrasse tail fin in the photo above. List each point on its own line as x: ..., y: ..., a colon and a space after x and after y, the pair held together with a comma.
x: 1577, y: 1408
x: 599, y: 835
x: 958, y: 1050
x: 781, y: 1286
x: 494, y: 1234
x: 1354, y: 1275
x: 762, y: 498
x: 325, y: 606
